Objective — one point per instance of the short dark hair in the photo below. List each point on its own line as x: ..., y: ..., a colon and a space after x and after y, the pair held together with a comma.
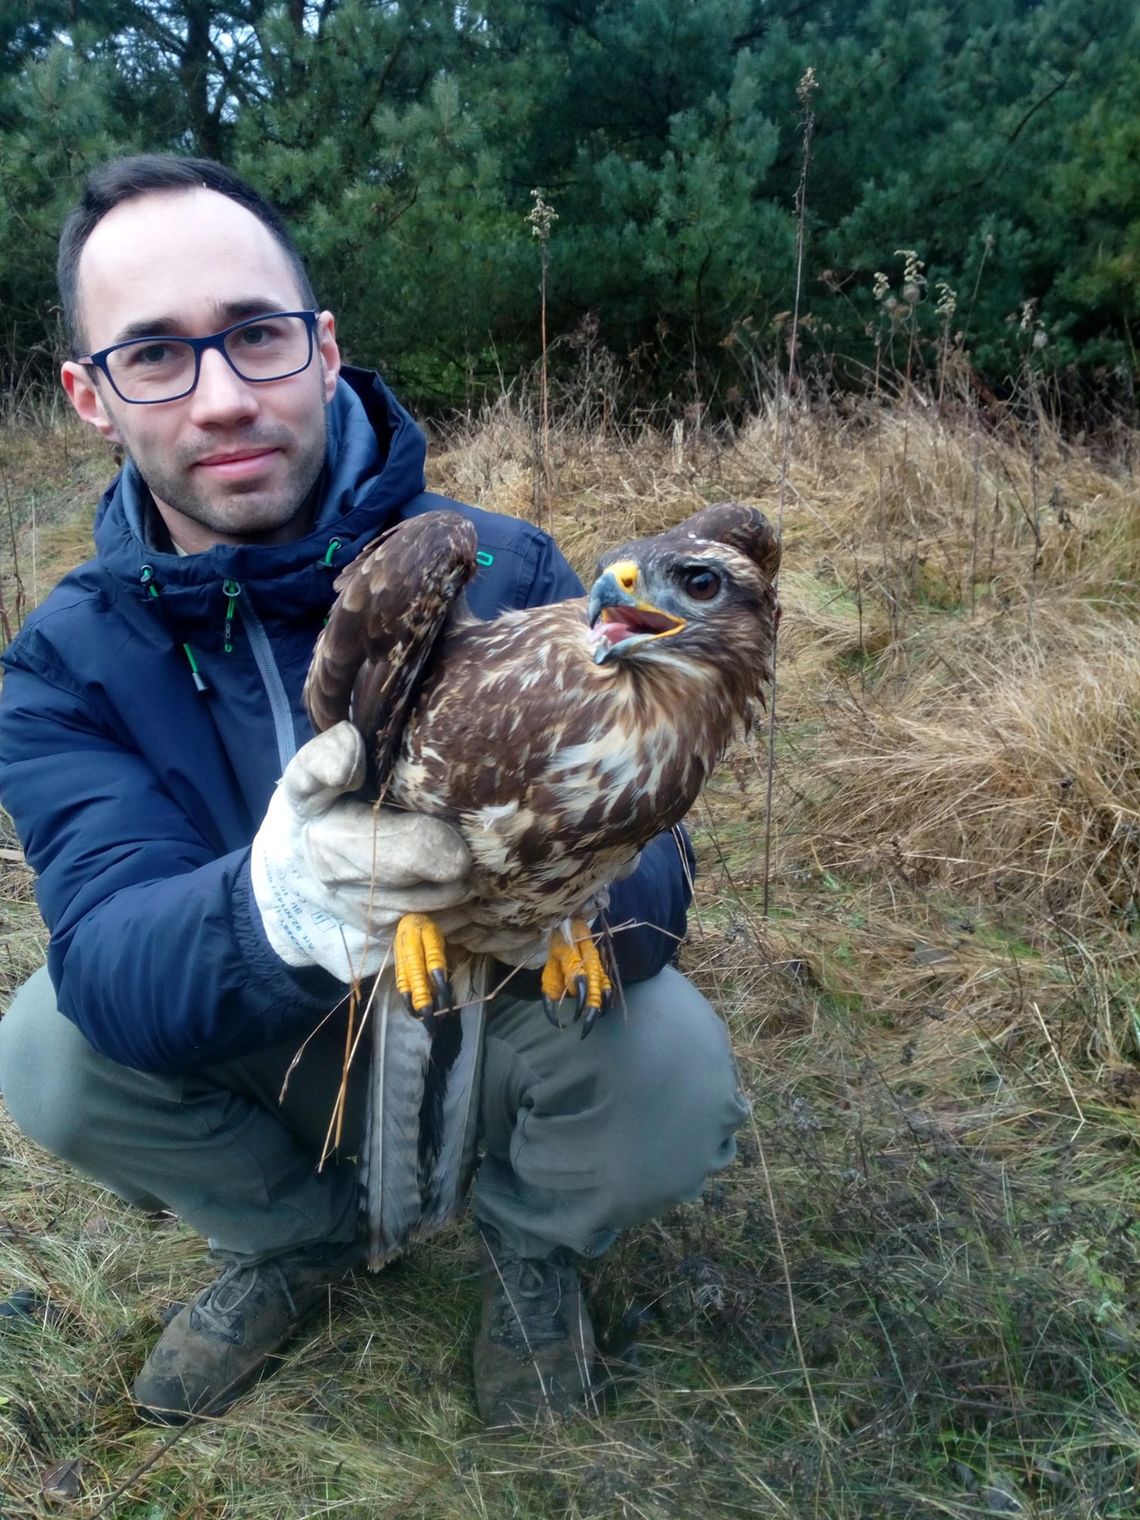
x: 122, y: 179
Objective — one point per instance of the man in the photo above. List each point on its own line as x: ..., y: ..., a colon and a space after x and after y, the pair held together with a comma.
x: 149, y: 707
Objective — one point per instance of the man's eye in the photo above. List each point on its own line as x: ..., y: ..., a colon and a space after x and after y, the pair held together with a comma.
x: 149, y: 355
x: 701, y: 585
x: 259, y: 334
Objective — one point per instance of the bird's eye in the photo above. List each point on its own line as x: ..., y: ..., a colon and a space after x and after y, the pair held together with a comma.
x: 701, y: 585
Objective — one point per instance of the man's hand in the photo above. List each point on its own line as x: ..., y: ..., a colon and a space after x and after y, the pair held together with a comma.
x: 331, y: 875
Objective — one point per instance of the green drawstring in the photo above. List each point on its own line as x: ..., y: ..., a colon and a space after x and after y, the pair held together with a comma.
x: 199, y: 678
x: 232, y: 589
x: 327, y: 563
x: 146, y: 575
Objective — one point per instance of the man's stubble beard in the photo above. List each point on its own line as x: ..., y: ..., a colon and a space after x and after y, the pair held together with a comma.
x: 236, y: 509
x: 227, y: 510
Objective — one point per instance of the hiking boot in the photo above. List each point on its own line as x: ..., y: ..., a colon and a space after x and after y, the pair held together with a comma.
x: 215, y: 1347
x: 535, y: 1349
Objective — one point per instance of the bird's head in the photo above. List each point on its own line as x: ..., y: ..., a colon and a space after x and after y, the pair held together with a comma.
x: 701, y: 591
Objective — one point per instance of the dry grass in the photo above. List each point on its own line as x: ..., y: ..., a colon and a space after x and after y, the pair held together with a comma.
x: 52, y: 472
x: 918, y: 1293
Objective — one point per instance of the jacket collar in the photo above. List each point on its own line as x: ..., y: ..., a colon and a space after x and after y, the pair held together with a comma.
x: 374, y: 466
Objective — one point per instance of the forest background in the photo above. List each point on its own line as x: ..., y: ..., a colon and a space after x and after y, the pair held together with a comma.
x: 404, y: 139
x: 917, y: 1291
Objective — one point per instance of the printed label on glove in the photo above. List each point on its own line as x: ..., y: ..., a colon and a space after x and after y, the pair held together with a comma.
x: 300, y: 931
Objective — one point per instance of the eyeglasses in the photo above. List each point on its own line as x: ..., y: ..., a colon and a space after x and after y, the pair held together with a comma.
x: 146, y: 371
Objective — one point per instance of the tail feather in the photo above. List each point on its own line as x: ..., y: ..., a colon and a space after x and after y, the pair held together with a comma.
x: 423, y: 1115
x: 454, y: 1161
x: 401, y: 1048
x: 446, y: 1044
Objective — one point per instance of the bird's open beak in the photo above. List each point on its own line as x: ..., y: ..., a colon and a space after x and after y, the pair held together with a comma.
x: 619, y: 617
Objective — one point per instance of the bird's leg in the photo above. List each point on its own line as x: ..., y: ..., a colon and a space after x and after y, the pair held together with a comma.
x: 421, y: 965
x: 574, y: 965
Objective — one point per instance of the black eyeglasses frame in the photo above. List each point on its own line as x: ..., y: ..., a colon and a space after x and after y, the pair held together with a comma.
x: 199, y: 346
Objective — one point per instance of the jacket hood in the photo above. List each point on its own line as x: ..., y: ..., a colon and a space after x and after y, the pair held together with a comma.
x: 374, y: 465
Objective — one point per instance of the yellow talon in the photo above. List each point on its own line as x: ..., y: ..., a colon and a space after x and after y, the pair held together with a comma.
x: 575, y: 967
x: 421, y: 965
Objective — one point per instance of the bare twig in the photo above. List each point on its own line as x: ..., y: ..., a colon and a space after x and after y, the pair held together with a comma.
x: 805, y: 92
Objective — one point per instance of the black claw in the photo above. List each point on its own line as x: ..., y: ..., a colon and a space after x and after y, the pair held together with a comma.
x: 607, y: 1000
x: 550, y: 1008
x: 441, y: 998
x: 582, y: 992
x: 410, y: 1006
x: 592, y: 1015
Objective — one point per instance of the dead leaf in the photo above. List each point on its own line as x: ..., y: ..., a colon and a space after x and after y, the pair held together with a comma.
x: 62, y: 1483
x: 929, y: 955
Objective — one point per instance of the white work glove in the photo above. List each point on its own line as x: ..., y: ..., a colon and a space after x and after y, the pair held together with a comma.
x: 332, y: 876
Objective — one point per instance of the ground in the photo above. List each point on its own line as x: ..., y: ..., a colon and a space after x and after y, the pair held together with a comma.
x: 917, y: 1292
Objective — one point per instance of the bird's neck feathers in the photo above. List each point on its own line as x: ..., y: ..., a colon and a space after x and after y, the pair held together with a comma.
x: 676, y: 674
x: 666, y: 689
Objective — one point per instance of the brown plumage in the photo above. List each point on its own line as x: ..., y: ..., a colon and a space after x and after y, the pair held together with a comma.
x: 558, y: 739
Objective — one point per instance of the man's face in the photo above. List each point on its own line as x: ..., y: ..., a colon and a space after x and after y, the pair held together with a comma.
x: 233, y: 462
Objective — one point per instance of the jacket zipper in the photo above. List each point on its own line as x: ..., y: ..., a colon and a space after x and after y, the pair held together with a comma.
x: 270, y: 679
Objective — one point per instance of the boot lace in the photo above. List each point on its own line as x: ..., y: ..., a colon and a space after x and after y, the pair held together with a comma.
x: 219, y: 1307
x: 529, y: 1302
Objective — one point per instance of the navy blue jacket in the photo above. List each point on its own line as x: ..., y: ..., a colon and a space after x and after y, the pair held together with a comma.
x: 136, y: 795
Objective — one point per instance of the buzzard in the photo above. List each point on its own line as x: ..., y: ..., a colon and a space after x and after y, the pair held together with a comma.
x: 558, y: 740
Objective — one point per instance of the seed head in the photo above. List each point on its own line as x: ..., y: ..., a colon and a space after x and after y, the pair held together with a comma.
x: 541, y: 217
x: 912, y: 272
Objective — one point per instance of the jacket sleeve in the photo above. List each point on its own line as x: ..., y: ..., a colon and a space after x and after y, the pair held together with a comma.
x: 648, y: 910
x: 154, y: 953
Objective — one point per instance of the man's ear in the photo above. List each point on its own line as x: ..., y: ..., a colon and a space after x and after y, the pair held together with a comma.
x: 82, y: 391
x: 329, y: 352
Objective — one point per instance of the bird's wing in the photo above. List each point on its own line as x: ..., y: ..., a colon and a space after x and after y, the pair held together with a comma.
x: 394, y: 600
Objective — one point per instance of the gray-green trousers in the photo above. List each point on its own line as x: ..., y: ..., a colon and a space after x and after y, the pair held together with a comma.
x: 581, y: 1138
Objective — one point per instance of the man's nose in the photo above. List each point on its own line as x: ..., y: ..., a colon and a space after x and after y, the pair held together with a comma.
x: 221, y: 394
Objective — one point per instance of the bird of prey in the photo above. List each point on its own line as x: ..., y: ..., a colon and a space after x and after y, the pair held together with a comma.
x: 559, y: 740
